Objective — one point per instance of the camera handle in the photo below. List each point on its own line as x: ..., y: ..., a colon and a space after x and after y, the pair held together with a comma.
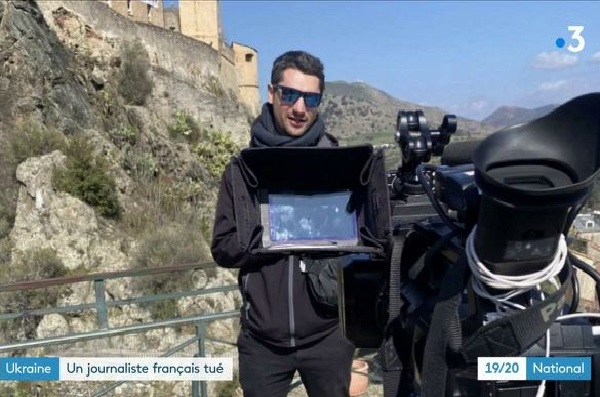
x: 418, y: 143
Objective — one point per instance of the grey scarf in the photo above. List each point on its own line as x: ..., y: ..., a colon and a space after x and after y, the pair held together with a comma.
x: 264, y: 134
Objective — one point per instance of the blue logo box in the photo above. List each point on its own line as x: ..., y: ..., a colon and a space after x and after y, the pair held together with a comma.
x: 559, y: 368
x: 29, y: 368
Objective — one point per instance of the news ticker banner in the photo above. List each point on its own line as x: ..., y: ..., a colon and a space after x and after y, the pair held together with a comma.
x: 221, y: 368
x: 116, y: 369
x: 534, y: 368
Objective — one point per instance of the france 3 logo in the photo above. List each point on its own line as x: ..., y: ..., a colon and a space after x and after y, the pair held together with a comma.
x: 577, y: 42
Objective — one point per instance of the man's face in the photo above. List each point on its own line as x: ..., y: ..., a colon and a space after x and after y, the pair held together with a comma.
x: 294, y: 119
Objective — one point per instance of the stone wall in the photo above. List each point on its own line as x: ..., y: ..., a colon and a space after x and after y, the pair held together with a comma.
x: 201, y: 20
x: 188, y: 59
x: 172, y: 19
x: 228, y: 53
x: 139, y: 11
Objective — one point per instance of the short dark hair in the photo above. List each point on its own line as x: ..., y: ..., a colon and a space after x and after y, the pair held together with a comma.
x: 299, y: 60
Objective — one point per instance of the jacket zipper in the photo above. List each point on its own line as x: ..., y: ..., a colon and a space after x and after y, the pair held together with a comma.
x: 291, y: 300
x: 246, y: 277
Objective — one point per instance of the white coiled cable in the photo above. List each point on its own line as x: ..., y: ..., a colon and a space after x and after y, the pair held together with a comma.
x: 483, y: 278
x: 514, y: 286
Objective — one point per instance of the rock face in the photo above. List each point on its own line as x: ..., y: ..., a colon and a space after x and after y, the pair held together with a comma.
x: 59, y: 72
x: 35, y: 78
x: 93, y: 30
x: 47, y: 218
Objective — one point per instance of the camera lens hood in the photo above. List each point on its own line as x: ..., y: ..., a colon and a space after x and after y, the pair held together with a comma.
x: 552, y: 160
x: 533, y: 179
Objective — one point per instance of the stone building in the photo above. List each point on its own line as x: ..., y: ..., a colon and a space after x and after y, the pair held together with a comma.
x: 148, y: 11
x: 585, y: 233
x: 201, y: 20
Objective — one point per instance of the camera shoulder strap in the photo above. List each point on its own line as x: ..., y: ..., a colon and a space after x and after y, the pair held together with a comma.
x: 444, y: 330
x: 508, y: 336
x: 390, y: 359
x: 512, y: 335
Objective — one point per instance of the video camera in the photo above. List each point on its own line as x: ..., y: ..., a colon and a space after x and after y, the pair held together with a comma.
x: 479, y: 265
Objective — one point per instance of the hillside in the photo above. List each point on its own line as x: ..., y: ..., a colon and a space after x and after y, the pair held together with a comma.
x: 506, y: 116
x: 357, y: 112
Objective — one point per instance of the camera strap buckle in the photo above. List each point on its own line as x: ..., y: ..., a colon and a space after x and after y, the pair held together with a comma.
x: 511, y: 335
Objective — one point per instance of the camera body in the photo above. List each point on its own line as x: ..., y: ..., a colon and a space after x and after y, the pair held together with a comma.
x: 435, y: 211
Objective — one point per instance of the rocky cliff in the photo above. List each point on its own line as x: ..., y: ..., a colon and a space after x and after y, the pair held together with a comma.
x: 111, y: 151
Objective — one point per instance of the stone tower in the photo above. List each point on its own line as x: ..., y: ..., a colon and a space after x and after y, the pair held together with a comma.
x: 202, y: 21
x: 246, y: 65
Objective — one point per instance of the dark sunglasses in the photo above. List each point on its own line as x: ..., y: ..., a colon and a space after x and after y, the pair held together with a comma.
x: 289, y: 96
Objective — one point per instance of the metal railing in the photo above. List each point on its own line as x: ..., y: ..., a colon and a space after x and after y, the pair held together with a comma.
x: 101, y: 305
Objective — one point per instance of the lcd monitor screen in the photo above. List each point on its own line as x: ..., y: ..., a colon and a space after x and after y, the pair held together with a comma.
x: 307, y: 219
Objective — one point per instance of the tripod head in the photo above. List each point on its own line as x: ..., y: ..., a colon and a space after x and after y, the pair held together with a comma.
x: 418, y: 143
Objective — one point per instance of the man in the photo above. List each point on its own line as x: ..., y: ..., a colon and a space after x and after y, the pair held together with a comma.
x: 283, y: 328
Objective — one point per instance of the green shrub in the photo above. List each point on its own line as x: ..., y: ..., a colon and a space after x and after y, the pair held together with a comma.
x: 29, y: 265
x: 162, y: 202
x: 170, y: 245
x: 215, y: 152
x: 31, y: 140
x: 141, y: 165
x: 35, y: 264
x: 214, y: 86
x: 124, y: 135
x: 135, y: 82
x: 86, y: 177
x: 184, y: 128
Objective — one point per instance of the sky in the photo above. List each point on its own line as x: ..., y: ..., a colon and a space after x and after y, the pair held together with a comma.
x: 466, y: 57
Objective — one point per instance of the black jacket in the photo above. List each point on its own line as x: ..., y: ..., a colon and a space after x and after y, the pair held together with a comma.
x: 278, y: 307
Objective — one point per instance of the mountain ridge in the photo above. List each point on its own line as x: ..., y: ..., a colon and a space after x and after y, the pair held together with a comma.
x: 357, y: 112
x: 505, y: 116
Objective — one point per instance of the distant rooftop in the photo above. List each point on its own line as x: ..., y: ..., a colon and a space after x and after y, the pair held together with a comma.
x: 587, y: 223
